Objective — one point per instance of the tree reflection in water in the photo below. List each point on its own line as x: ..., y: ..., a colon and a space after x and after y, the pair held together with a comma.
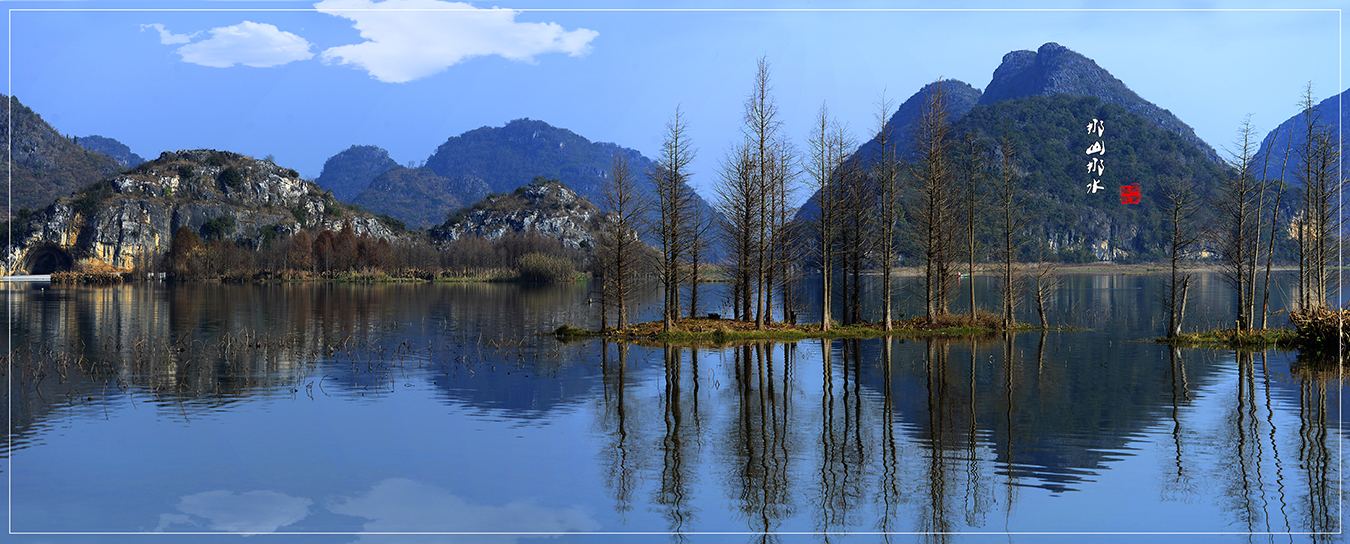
x: 894, y: 438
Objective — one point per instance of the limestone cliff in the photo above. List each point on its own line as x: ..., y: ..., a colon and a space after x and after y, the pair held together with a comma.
x: 129, y: 219
x: 545, y: 206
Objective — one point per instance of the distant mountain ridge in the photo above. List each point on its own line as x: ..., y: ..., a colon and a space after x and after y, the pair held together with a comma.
x: 47, y: 164
x: 112, y: 148
x: 417, y: 196
x: 351, y: 171
x: 496, y: 160
x: 1278, y: 140
x: 513, y: 155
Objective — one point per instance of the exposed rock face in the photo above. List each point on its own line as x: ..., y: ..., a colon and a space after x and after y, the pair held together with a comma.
x: 133, y: 216
x: 1055, y: 69
x: 549, y: 208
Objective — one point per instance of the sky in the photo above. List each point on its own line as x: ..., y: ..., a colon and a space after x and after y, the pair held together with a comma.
x: 302, y: 81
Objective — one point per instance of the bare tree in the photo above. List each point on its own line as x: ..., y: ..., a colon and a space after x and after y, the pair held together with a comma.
x: 1044, y: 281
x: 1013, y: 219
x: 738, y: 201
x: 933, y: 172
x: 855, y: 236
x: 885, y: 170
x: 785, y: 240
x: 763, y: 133
x: 675, y: 200
x: 620, y: 247
x: 972, y: 200
x: 1319, y: 171
x: 829, y: 145
x: 1180, y: 207
x: 1235, y: 226
x: 699, y: 228
x: 1274, y: 221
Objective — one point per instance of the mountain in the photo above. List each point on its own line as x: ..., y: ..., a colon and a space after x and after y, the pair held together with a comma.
x: 1278, y: 141
x: 417, y: 196
x: 501, y: 159
x: 511, y: 156
x: 131, y: 217
x: 544, y: 206
x: 351, y: 171
x: 1047, y: 136
x: 1054, y: 69
x: 46, y: 164
x: 112, y: 148
x: 1042, y: 101
x: 960, y: 98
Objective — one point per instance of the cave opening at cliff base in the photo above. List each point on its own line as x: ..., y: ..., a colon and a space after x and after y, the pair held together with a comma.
x: 48, y: 259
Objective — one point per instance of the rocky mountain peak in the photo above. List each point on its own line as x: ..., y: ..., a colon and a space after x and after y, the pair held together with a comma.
x: 544, y: 206
x: 1055, y: 69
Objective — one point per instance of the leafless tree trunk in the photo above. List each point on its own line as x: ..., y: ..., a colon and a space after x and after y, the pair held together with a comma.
x: 1180, y: 207
x: 1274, y: 221
x: 1012, y: 219
x: 1045, y: 280
x: 885, y: 170
x: 675, y: 201
x: 933, y: 172
x: 973, y: 170
x: 699, y: 226
x: 738, y: 201
x: 855, y: 236
x: 620, y: 246
x: 762, y: 130
x: 829, y: 149
x: 1235, y: 226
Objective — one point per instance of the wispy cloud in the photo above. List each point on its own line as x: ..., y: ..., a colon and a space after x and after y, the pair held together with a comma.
x: 412, y: 39
x: 248, y: 43
x: 251, y: 512
x: 166, y: 37
x: 402, y: 505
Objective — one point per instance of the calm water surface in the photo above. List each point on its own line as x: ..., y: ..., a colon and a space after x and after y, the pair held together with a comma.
x: 420, y: 413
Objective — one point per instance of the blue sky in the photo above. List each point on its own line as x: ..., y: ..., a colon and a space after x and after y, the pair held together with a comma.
x: 306, y: 83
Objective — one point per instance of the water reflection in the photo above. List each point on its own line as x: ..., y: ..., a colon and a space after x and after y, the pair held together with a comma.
x: 251, y: 512
x: 934, y: 436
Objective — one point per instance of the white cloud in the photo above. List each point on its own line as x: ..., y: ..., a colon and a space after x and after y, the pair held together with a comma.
x: 166, y: 37
x: 252, y: 44
x: 411, y: 39
x: 252, y: 512
x: 402, y: 505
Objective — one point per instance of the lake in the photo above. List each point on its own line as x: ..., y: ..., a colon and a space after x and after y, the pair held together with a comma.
x: 447, y: 413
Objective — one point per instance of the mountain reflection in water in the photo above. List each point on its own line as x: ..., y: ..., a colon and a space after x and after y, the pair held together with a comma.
x: 364, y: 410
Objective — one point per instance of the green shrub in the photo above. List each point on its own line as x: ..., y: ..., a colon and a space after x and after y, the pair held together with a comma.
x: 541, y: 268
x: 1077, y: 254
x: 231, y: 177
x: 218, y: 228
x: 392, y: 223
